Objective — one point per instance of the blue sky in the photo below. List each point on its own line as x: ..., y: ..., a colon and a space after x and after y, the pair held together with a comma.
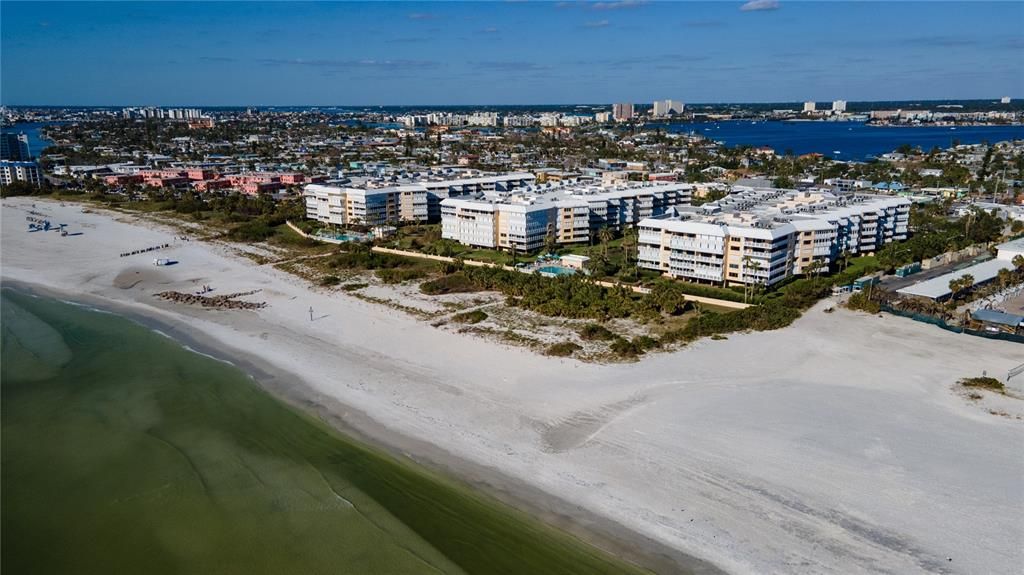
x: 241, y: 53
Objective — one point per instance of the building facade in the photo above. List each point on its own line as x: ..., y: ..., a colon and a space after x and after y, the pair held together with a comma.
x: 622, y: 112
x: 664, y: 108
x: 29, y: 172
x: 415, y: 198
x: 570, y: 213
x: 765, y: 236
x: 14, y: 147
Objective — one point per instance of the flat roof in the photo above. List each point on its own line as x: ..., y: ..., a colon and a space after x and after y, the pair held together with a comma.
x: 999, y: 317
x: 1016, y: 245
x: 938, y: 287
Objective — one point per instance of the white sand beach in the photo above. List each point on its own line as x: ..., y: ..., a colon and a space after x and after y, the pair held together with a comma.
x: 838, y: 445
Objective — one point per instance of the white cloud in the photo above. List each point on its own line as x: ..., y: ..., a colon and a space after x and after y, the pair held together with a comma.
x: 756, y: 5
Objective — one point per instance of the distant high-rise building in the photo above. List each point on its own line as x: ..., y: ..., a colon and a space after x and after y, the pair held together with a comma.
x: 810, y: 106
x: 602, y: 116
x: 1004, y: 100
x: 839, y: 106
x: 664, y: 108
x: 14, y: 147
x: 622, y: 112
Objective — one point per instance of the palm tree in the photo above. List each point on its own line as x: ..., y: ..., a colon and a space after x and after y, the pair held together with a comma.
x: 1004, y: 276
x: 755, y: 266
x: 817, y: 267
x: 630, y: 242
x: 960, y: 284
x: 605, y: 235
x: 550, y: 241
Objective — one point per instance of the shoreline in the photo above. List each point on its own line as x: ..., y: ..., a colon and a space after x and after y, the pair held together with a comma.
x: 355, y: 425
x: 797, y: 450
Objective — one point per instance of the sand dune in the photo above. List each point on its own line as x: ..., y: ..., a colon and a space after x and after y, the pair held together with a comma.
x: 835, y: 446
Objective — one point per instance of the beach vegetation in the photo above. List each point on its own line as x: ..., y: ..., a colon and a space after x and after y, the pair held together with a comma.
x: 984, y: 382
x: 595, y: 332
x: 562, y: 349
x: 935, y: 233
x: 863, y: 301
x: 470, y: 317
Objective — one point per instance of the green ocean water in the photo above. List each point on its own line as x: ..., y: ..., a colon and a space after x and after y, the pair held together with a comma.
x: 123, y: 452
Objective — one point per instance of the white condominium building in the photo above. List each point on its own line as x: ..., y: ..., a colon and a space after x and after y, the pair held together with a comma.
x: 11, y: 172
x: 663, y: 108
x: 408, y: 198
x: 764, y: 236
x: 569, y: 212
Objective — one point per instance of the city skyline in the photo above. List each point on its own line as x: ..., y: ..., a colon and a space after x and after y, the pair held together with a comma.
x: 508, y: 53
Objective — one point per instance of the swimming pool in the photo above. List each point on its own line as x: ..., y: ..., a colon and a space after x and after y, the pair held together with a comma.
x: 556, y: 271
x: 341, y: 237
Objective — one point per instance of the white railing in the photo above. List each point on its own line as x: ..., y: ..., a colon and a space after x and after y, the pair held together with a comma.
x: 1015, y: 371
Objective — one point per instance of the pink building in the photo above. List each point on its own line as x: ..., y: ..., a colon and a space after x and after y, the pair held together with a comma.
x: 167, y: 182
x: 200, y: 174
x: 256, y: 188
x: 210, y: 185
x: 292, y: 178
x: 122, y: 179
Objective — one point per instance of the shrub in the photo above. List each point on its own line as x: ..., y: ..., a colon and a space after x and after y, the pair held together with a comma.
x: 595, y: 332
x: 562, y: 349
x: 328, y: 281
x: 399, y: 275
x: 353, y: 286
x: 983, y: 382
x: 253, y: 231
x: 470, y: 317
x: 646, y: 343
x: 862, y: 302
x: 625, y: 348
x: 454, y: 283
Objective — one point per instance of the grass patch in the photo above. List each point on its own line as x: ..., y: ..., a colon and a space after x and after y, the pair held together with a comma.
x: 457, y: 282
x: 989, y: 383
x: 400, y: 275
x: 470, y: 317
x: 562, y: 349
x: 630, y: 348
x: 595, y: 332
